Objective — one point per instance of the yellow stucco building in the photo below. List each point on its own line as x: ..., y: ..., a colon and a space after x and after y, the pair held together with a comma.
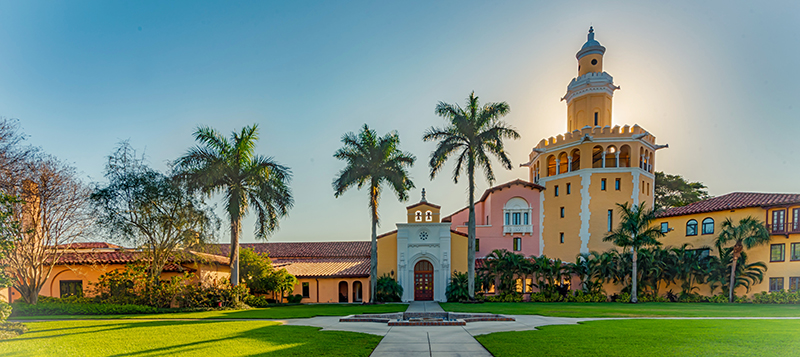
x: 592, y: 167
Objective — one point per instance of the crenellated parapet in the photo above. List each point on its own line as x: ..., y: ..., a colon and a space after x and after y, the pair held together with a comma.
x: 594, y: 133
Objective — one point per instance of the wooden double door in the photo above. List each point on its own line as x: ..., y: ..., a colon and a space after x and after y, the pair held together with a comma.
x: 423, y: 281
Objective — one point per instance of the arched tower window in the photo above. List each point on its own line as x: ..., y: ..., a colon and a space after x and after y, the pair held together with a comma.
x: 551, y: 165
x: 563, y: 163
x: 517, y: 214
x: 418, y: 216
x: 428, y: 216
x: 625, y: 156
x: 650, y: 163
x: 576, y: 160
x: 611, y: 156
x: 597, y: 156
x: 708, y: 226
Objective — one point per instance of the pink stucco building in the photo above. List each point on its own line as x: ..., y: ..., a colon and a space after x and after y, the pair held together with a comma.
x: 507, y: 217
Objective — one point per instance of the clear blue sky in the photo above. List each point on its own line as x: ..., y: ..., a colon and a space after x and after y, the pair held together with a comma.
x: 714, y: 79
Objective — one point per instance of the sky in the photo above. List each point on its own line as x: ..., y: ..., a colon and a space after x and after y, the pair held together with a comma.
x: 716, y: 80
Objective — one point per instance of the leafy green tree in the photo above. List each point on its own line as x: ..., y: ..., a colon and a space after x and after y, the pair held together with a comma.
x: 458, y: 288
x: 471, y: 134
x: 9, y: 228
x: 748, y: 233
x: 150, y: 210
x: 246, y: 180
x: 676, y: 191
x: 691, y: 268
x: 745, y: 274
x: 388, y: 290
x: 372, y: 161
x: 635, y: 231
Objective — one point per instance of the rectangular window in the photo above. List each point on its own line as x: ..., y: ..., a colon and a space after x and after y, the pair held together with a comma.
x: 616, y: 184
x: 775, y: 284
x: 776, y: 252
x: 642, y: 187
x: 477, y: 244
x: 71, y: 288
x: 555, y: 190
x: 569, y: 188
x: 561, y: 237
x: 508, y: 220
x: 306, y: 292
x: 610, y: 218
x: 778, y: 217
x: 794, y: 254
x: 595, y: 118
x: 796, y: 220
x: 664, y: 227
x: 517, y: 244
x: 603, y: 185
x: 562, y: 212
x: 794, y: 283
x: 516, y: 218
x: 526, y: 220
x: 701, y: 253
x: 648, y: 189
x: 487, y: 220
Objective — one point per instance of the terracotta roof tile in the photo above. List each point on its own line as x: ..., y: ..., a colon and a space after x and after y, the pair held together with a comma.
x: 88, y: 245
x: 305, y: 249
x: 734, y: 200
x: 325, y: 267
x: 124, y: 257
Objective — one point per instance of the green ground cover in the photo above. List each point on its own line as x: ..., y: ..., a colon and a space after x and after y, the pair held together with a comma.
x: 652, y: 309
x: 652, y: 338
x: 179, y: 338
x: 277, y: 312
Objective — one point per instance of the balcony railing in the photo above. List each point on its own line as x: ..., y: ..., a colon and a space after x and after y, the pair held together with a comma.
x: 522, y: 228
x: 784, y: 228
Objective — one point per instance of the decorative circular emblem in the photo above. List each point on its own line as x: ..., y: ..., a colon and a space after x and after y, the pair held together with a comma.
x: 423, y: 235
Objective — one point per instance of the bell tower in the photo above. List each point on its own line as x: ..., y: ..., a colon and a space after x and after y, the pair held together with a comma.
x: 590, y: 94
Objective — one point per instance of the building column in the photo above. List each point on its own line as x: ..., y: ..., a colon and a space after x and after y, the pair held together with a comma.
x: 604, y: 158
x: 569, y: 163
x: 558, y: 166
x: 617, y: 156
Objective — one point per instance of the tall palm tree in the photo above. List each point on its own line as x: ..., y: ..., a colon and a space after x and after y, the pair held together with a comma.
x: 247, y: 180
x: 471, y: 134
x: 745, y: 275
x: 750, y: 232
x: 371, y: 161
x: 635, y: 230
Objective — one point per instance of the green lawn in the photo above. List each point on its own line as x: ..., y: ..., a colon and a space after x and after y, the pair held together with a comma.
x: 277, y: 312
x: 652, y: 309
x: 195, y: 338
x: 652, y: 338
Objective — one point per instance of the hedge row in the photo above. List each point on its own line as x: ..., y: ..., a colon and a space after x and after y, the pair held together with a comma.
x: 21, y: 308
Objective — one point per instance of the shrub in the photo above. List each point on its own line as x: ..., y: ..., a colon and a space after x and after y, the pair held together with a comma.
x: 777, y: 297
x: 545, y: 297
x: 388, y: 290
x: 623, y: 297
x: 458, y: 289
x: 294, y: 299
x: 692, y: 297
x: 507, y: 297
x: 257, y: 301
x: 22, y: 308
x: 652, y: 298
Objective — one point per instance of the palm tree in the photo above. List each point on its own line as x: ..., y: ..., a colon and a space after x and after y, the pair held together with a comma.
x: 371, y: 161
x: 750, y: 232
x: 247, y: 180
x: 471, y: 134
x: 746, y: 274
x: 635, y: 230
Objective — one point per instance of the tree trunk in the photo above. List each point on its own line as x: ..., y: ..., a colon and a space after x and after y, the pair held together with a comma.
x: 373, y: 261
x: 634, y: 298
x: 737, y: 251
x: 471, y: 235
x: 235, y: 231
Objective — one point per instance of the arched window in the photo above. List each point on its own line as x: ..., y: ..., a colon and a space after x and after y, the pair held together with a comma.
x: 551, y: 165
x: 641, y: 158
x: 418, y: 216
x: 691, y: 228
x: 343, y: 291
x: 708, y: 226
x: 563, y: 163
x: 517, y: 214
x: 357, y: 293
x: 625, y: 156
x: 611, y: 156
x: 576, y: 160
x: 428, y: 216
x: 597, y: 156
x: 650, y: 163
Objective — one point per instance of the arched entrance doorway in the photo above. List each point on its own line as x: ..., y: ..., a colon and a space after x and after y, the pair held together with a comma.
x: 343, y: 291
x: 357, y: 297
x: 423, y: 281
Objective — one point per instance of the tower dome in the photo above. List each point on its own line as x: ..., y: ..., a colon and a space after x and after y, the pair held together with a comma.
x: 591, y: 46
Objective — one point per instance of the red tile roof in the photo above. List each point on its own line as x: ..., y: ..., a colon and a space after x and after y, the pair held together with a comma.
x: 304, y: 249
x: 494, y: 189
x: 734, y: 200
x: 125, y: 257
x: 88, y: 245
x: 325, y: 267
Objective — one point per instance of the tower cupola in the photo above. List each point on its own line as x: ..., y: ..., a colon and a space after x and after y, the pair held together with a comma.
x: 590, y: 57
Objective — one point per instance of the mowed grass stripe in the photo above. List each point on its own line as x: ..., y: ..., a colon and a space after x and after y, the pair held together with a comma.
x: 652, y: 309
x: 651, y: 338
